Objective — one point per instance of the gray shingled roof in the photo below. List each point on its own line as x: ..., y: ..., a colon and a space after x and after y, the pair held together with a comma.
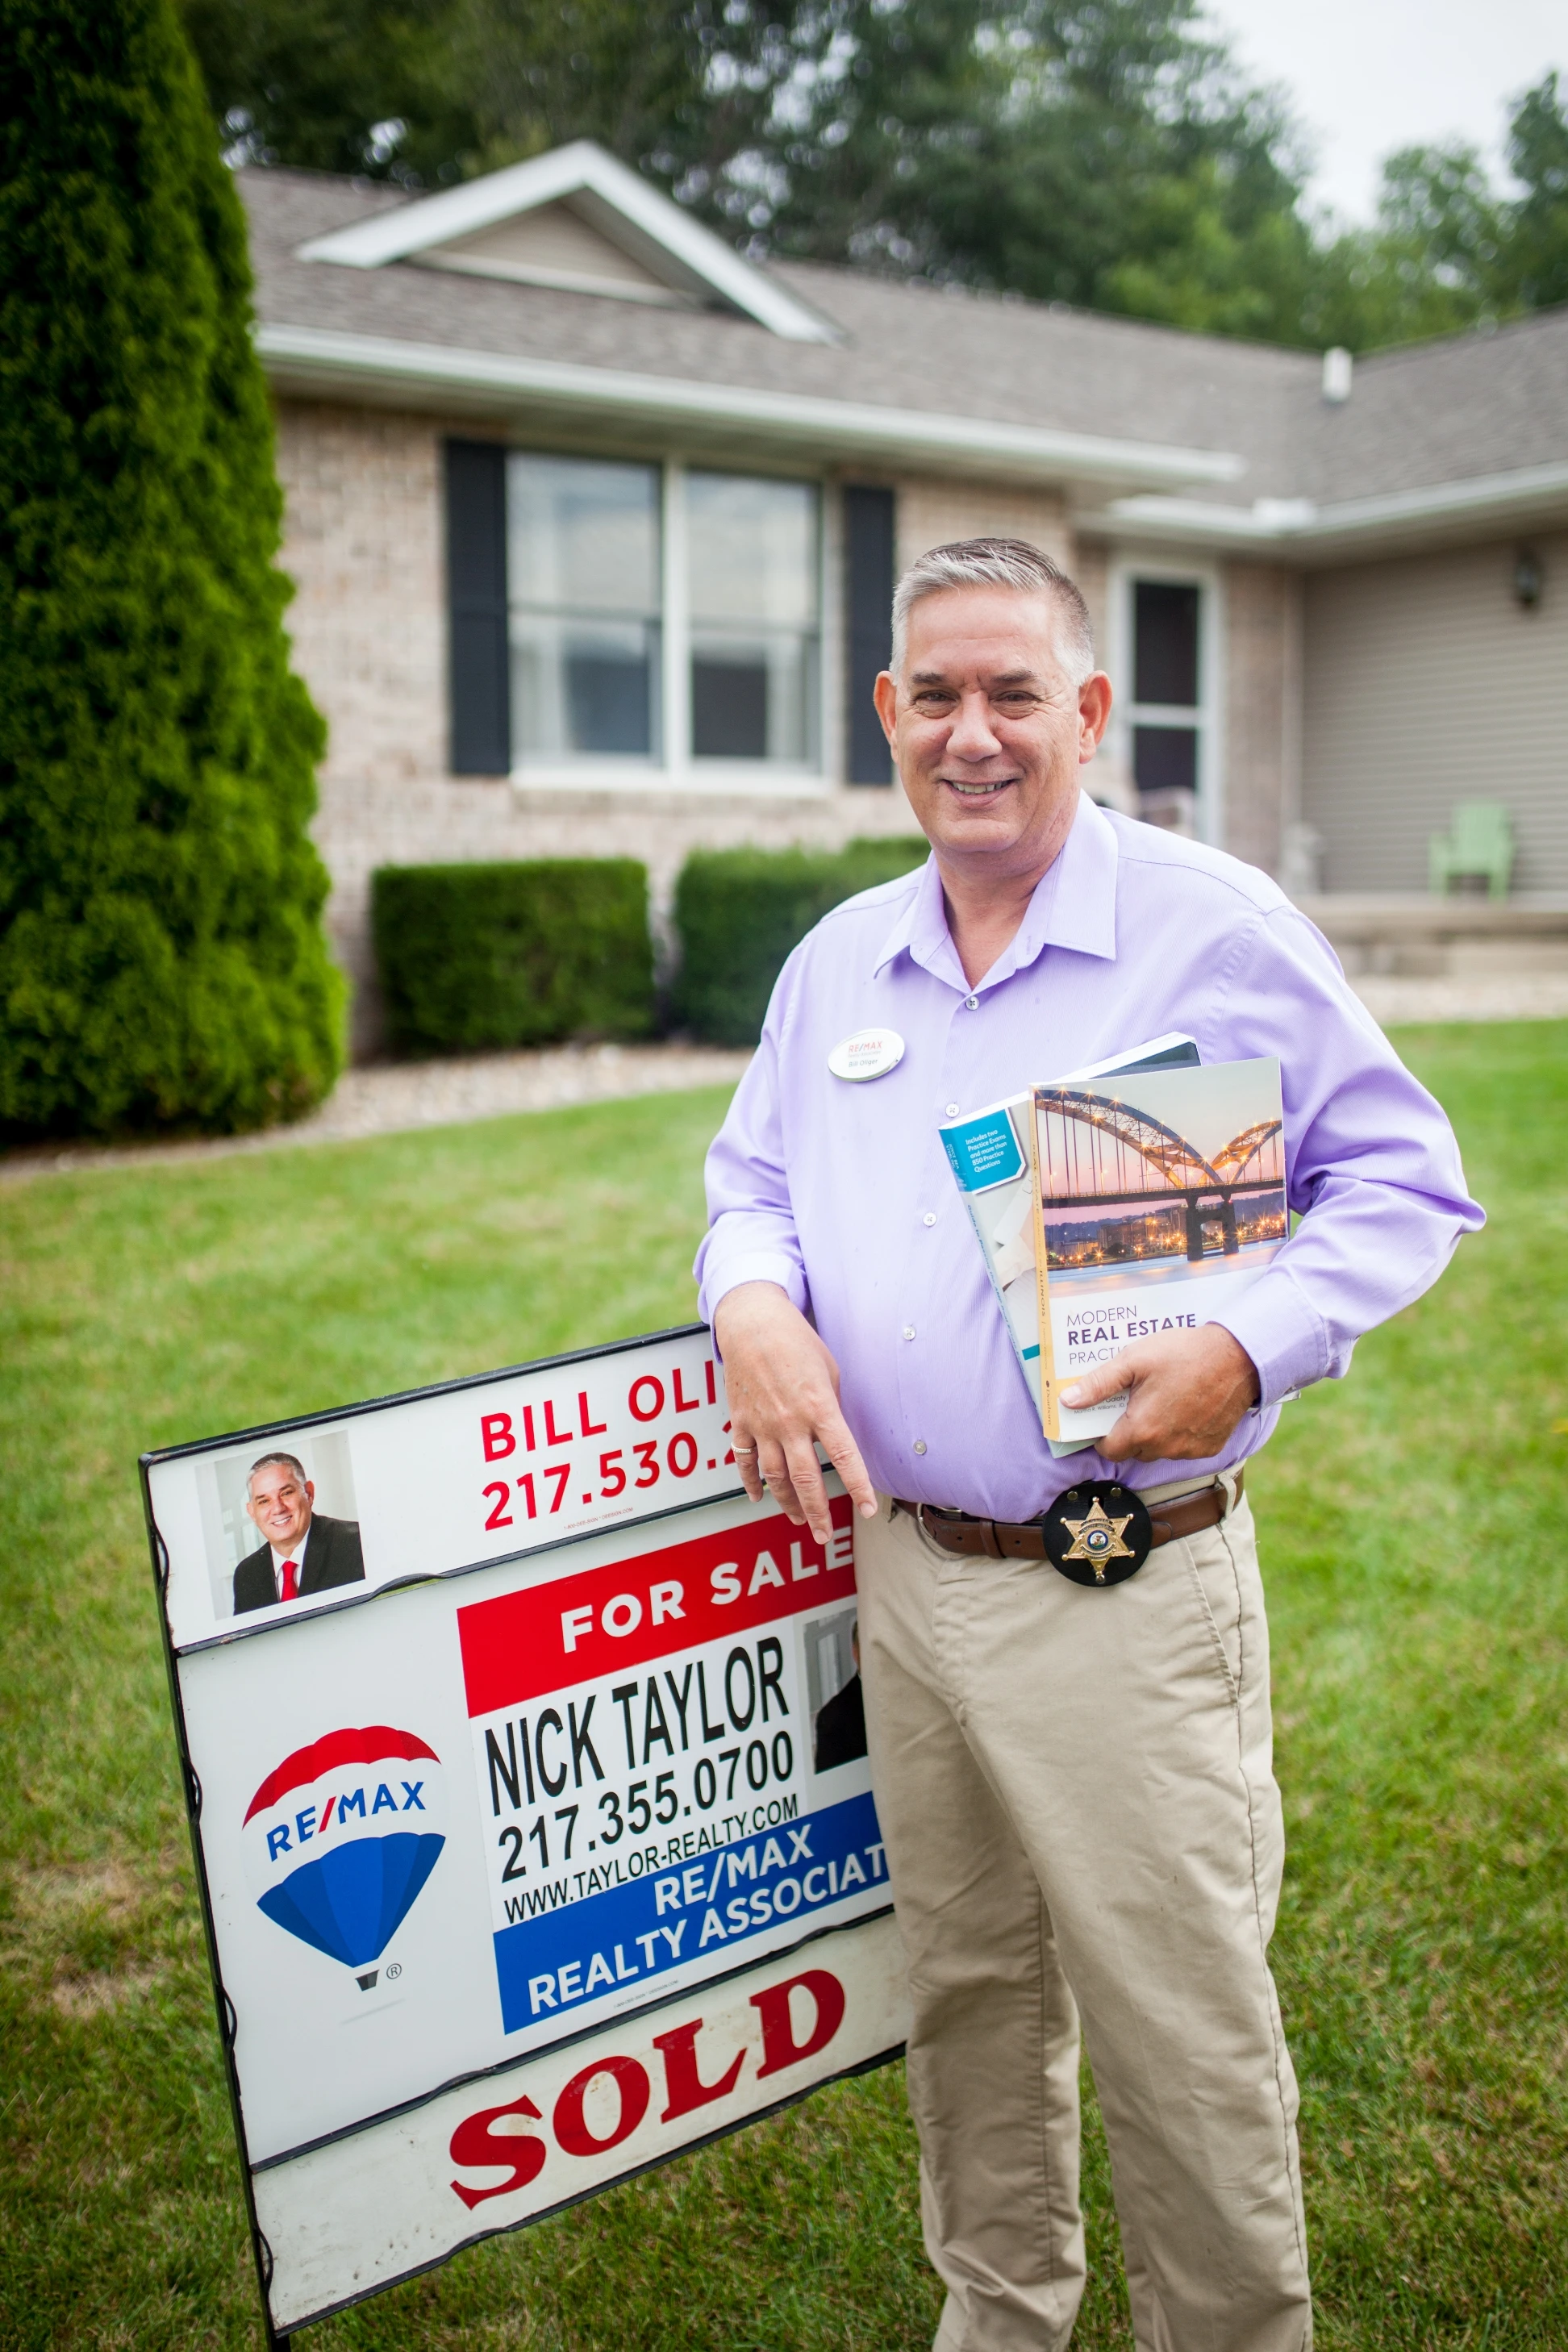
x: 1470, y: 404
x: 1443, y: 411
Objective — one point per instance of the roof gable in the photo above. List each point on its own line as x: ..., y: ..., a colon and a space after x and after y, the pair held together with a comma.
x: 1441, y: 441
x: 574, y: 219
x: 553, y: 245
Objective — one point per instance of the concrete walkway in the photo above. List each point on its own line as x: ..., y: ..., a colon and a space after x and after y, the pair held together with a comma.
x: 396, y: 1099
x: 1527, y: 996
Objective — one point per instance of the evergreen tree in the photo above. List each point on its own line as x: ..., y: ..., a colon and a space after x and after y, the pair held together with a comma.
x: 162, y: 958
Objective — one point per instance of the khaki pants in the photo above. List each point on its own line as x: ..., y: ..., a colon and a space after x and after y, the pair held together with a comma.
x: 1081, y: 1820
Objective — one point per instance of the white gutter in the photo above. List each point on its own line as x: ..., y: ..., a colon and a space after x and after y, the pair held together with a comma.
x: 1299, y: 523
x: 316, y: 358
x: 1198, y: 520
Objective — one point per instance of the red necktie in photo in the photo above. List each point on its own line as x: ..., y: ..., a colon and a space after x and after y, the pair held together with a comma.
x: 291, y: 1581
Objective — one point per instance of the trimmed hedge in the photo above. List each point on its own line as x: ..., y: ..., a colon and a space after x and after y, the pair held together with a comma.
x: 162, y: 956
x: 477, y: 957
x: 740, y: 911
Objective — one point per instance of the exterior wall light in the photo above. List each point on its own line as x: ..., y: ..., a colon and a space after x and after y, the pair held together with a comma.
x: 1527, y: 579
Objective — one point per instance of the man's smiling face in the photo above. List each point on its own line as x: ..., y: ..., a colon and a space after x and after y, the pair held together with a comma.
x: 279, y: 1503
x: 988, y: 726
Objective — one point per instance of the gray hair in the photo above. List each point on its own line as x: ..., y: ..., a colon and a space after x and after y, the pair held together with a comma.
x: 999, y: 563
x: 265, y: 1461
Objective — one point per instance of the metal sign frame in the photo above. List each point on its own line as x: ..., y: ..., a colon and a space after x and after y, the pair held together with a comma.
x: 720, y: 1487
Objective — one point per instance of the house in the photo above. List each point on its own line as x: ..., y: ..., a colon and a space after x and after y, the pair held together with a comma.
x: 595, y: 522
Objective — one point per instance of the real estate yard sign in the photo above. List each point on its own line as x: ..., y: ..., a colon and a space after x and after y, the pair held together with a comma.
x: 519, y: 1872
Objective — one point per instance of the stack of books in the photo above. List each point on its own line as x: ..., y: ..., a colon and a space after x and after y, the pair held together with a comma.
x: 1137, y: 1197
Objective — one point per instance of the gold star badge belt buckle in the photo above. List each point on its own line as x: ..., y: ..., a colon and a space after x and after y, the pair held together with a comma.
x: 1098, y: 1534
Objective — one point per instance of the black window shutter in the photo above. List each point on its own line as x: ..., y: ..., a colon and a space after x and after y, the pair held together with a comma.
x: 476, y: 613
x: 868, y: 597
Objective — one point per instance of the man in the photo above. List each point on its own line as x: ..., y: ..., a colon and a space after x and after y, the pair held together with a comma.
x: 302, y: 1551
x: 838, y: 1735
x: 1075, y: 1785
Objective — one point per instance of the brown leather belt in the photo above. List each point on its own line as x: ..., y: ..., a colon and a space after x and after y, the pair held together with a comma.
x: 955, y: 1531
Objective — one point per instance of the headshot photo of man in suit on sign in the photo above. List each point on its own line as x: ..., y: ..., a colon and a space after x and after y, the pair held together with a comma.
x: 840, y: 1727
x: 301, y: 1550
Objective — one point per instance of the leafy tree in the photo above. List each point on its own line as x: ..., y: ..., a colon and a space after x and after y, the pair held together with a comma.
x: 1089, y: 150
x: 1104, y: 152
x: 1533, y: 266
x: 1095, y: 152
x: 426, y: 91
x: 1448, y: 251
x: 161, y: 951
x: 334, y: 85
x: 637, y: 74
x: 1426, y: 266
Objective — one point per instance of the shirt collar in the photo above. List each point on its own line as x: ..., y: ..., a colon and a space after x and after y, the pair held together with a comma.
x: 297, y: 1554
x: 1074, y: 907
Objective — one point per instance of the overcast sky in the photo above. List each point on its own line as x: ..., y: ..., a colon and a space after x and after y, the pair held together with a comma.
x: 1368, y: 75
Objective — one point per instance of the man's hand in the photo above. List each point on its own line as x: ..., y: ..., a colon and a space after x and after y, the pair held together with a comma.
x: 1186, y: 1391
x: 783, y: 1386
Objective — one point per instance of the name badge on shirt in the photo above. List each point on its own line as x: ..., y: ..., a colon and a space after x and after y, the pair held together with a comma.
x: 869, y: 1054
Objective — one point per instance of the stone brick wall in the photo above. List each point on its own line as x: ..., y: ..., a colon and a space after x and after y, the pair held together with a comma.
x: 933, y: 511
x: 1090, y: 564
x: 362, y: 543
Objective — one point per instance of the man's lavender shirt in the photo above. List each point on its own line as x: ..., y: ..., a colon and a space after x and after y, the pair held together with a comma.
x: 841, y: 1192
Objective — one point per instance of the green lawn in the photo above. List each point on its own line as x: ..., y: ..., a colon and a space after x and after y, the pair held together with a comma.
x: 1412, y: 1523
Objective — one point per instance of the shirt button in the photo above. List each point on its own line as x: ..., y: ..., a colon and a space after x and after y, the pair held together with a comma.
x: 930, y: 1217
x: 909, y: 1330
x: 971, y: 1004
x: 920, y: 1445
x: 953, y: 1110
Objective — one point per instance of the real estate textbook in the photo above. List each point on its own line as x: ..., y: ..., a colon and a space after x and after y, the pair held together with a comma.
x: 1107, y: 1213
x: 991, y: 1155
x: 1156, y: 1202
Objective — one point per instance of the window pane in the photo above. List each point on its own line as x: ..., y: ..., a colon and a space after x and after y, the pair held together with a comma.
x: 1165, y: 643
x: 729, y: 704
x: 583, y: 535
x: 752, y: 549
x: 752, y: 574
x: 753, y: 696
x: 583, y: 585
x: 583, y: 686
x: 1165, y: 759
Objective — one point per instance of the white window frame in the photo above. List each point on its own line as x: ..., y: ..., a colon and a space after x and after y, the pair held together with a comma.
x: 676, y: 770
x: 1206, y: 721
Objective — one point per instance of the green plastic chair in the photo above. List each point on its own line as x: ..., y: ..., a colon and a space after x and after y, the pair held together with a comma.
x: 1479, y: 840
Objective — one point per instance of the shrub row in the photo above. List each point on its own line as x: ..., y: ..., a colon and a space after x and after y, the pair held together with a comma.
x: 740, y: 911
x: 479, y: 957
x: 473, y: 957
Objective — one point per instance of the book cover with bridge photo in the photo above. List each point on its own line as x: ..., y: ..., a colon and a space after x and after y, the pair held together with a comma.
x: 990, y: 1156
x: 1157, y: 1201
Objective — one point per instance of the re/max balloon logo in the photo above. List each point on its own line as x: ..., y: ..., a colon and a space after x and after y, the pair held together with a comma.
x: 343, y: 1835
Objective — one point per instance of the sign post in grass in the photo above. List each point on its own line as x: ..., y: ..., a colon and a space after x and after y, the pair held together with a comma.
x: 523, y: 1864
